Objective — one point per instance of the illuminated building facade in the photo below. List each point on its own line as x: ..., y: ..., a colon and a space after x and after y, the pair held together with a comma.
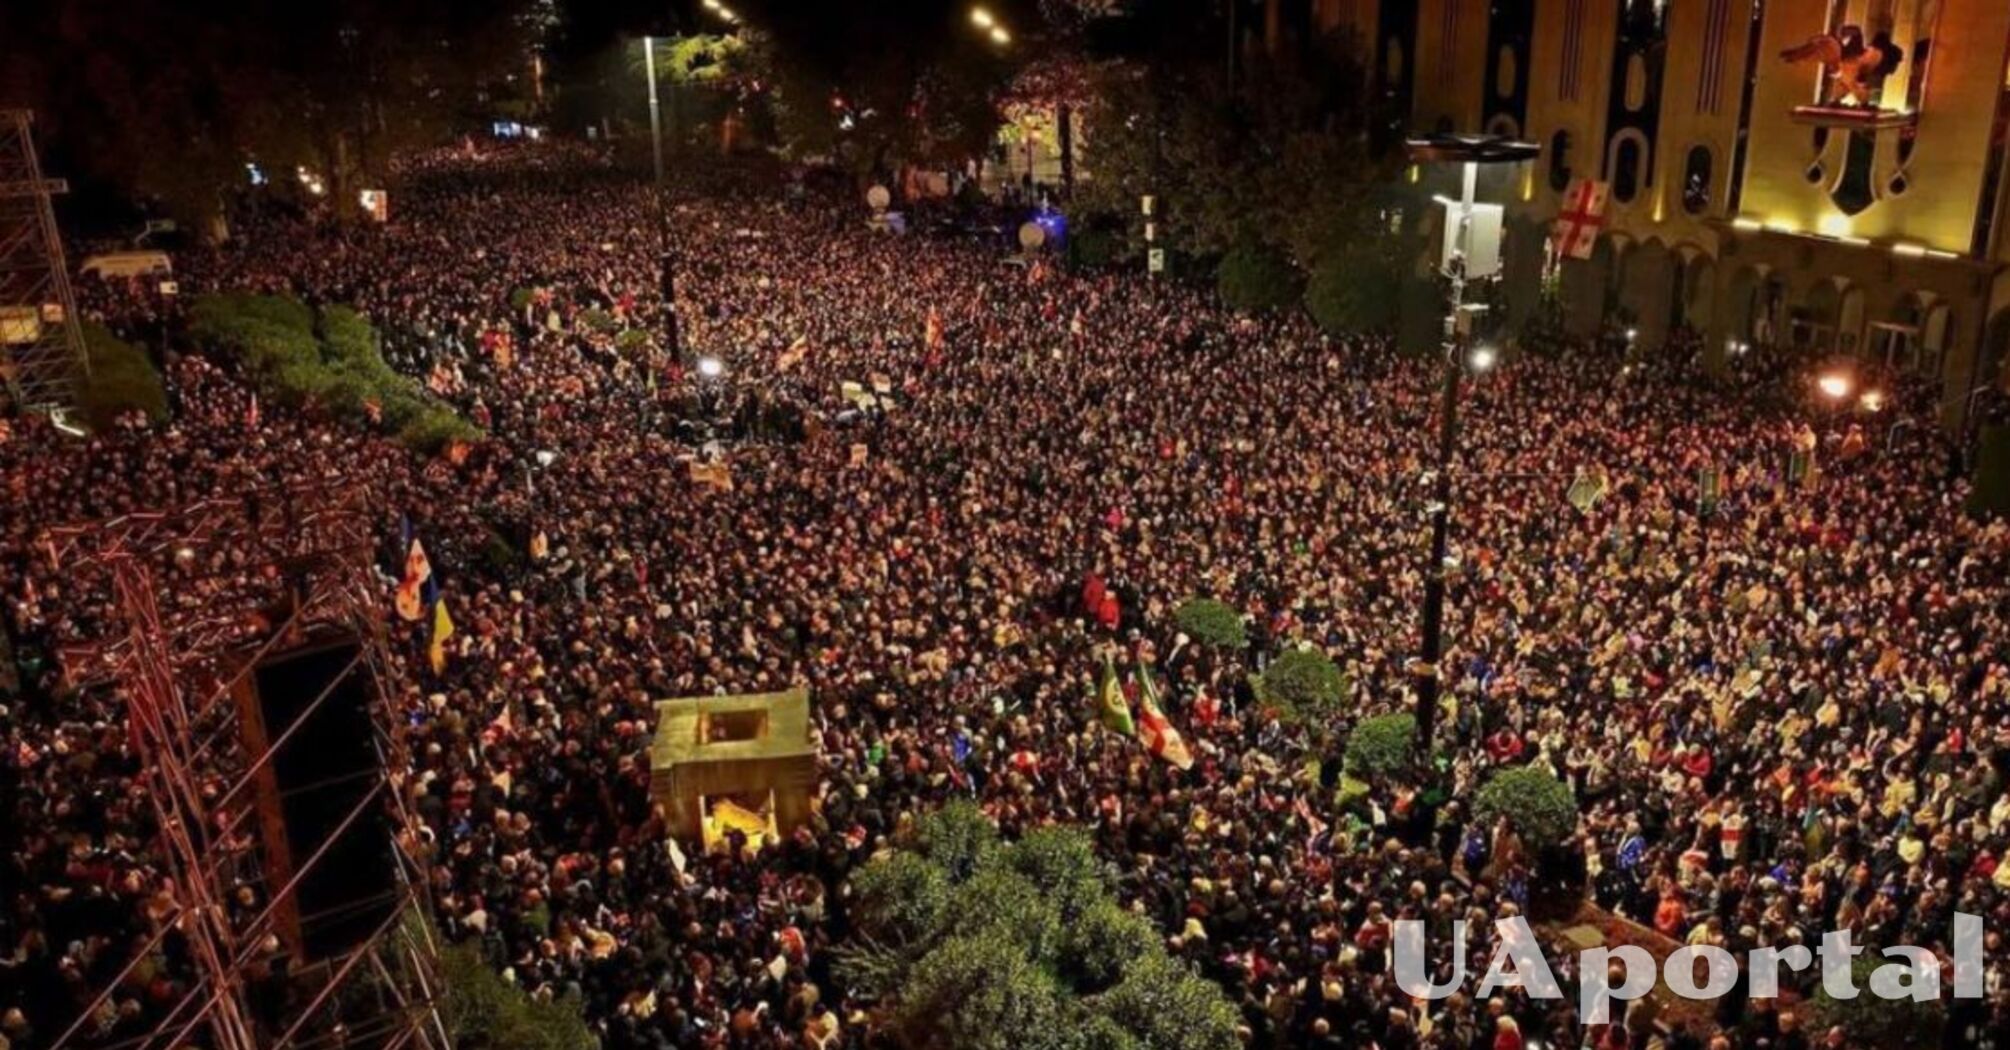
x: 1818, y: 173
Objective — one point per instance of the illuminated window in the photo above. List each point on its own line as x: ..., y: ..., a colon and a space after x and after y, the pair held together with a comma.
x: 1696, y: 178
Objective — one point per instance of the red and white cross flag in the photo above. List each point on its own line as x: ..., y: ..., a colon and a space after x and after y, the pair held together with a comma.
x: 1581, y: 218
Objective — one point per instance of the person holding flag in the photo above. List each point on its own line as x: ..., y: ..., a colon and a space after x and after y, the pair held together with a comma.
x: 418, y: 576
x: 443, y: 629
x: 931, y: 339
x: 1158, y: 734
x: 1111, y: 708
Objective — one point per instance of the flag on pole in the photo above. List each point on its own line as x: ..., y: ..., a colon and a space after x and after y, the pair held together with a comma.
x: 931, y: 336
x: 251, y: 413
x: 1111, y: 707
x: 443, y: 629
x: 1580, y: 219
x: 1158, y: 734
x: 1709, y: 489
x: 418, y: 574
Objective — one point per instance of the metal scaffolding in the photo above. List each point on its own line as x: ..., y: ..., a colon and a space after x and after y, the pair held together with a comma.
x: 41, y: 346
x: 201, y: 597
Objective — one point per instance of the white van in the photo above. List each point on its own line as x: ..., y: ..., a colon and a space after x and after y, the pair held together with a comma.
x: 112, y: 265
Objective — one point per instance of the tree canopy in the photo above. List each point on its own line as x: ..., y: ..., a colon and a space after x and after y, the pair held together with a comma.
x: 172, y: 100
x: 971, y: 942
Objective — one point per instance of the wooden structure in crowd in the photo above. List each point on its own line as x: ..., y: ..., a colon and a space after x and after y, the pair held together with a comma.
x: 750, y: 751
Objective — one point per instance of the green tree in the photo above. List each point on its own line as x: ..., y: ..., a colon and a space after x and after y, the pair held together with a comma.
x: 1103, y: 942
x: 1167, y: 1007
x: 1871, y: 1020
x: 1539, y: 806
x: 1212, y: 623
x: 1357, y: 285
x: 1281, y: 157
x: 839, y: 90
x: 170, y: 101
x: 1302, y: 685
x: 979, y: 991
x: 901, y: 898
x: 1061, y: 864
x: 1382, y: 746
x: 1257, y: 278
x: 1015, y: 945
x: 958, y: 837
x: 331, y: 359
x: 486, y: 1012
x: 122, y: 380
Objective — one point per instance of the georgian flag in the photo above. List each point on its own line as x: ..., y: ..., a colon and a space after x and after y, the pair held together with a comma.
x: 1581, y: 218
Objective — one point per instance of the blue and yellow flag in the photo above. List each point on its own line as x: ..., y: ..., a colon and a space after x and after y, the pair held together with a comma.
x: 443, y: 629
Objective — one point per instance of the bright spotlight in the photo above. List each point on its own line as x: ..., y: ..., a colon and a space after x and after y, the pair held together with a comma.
x: 981, y: 18
x: 1835, y: 386
x: 1872, y: 400
x: 1000, y: 36
x: 711, y: 367
x: 1482, y: 358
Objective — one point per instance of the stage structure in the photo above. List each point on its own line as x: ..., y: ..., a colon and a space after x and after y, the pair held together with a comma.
x: 41, y: 346
x: 247, y: 640
x: 744, y: 763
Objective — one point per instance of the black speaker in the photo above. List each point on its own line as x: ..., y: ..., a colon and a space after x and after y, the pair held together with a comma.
x: 325, y: 771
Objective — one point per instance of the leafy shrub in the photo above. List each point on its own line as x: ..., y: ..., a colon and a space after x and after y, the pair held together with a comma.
x: 999, y: 897
x: 1533, y: 800
x: 348, y: 338
x: 1168, y: 1007
x: 979, y: 991
x: 1256, y: 278
x: 971, y: 943
x: 1103, y: 942
x: 122, y: 380
x: 486, y: 1012
x: 1872, y: 1020
x: 435, y: 428
x: 900, y: 898
x: 333, y: 358
x: 958, y: 837
x: 1061, y: 863
x: 1212, y: 623
x: 1382, y: 746
x: 1301, y: 685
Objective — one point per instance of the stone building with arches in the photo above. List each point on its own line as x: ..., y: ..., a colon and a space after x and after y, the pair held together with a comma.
x: 1756, y: 200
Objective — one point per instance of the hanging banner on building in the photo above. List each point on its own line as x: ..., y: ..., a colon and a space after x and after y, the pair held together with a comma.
x: 1582, y: 218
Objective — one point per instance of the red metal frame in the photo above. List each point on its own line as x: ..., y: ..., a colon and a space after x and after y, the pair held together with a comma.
x: 298, y: 564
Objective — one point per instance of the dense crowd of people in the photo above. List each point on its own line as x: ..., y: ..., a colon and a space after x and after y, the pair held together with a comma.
x: 1779, y: 718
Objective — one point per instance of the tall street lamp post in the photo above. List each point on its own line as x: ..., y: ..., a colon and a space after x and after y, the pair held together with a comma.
x: 1470, y: 251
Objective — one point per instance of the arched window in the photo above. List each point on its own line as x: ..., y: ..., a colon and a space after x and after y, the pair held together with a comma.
x: 1559, y: 161
x: 1626, y: 170
x: 1696, y: 180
